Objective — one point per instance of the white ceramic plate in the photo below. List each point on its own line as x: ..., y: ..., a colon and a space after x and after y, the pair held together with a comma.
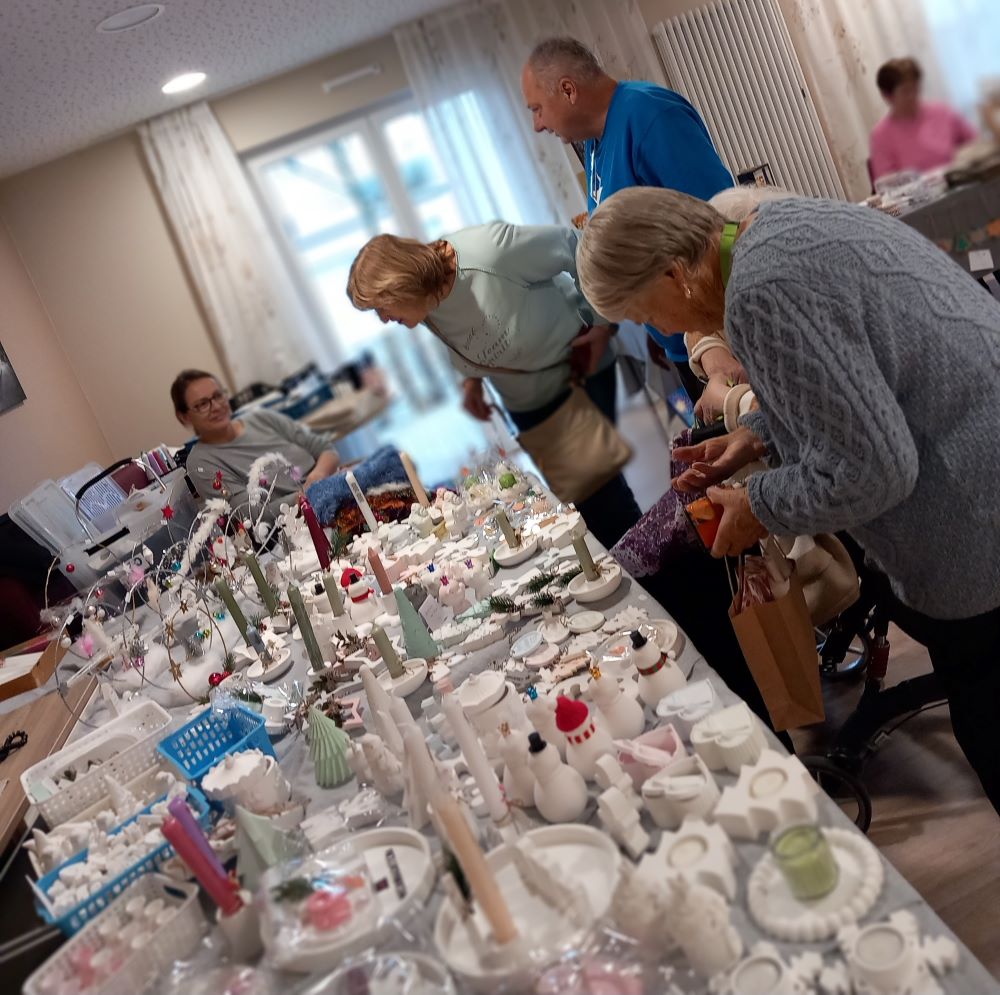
x: 585, y: 621
x: 544, y: 656
x: 526, y: 644
x: 553, y: 632
x: 578, y: 853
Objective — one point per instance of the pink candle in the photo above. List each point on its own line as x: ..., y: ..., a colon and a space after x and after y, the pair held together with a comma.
x: 221, y: 890
x: 319, y: 538
x: 385, y: 585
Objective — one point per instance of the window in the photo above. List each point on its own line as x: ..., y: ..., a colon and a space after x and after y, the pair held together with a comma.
x: 328, y: 194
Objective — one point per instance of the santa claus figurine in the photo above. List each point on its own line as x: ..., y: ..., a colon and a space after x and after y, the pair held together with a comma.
x: 586, y: 742
x: 362, y: 606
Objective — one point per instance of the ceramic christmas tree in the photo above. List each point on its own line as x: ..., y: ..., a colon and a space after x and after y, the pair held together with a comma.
x: 329, y: 746
x: 560, y: 791
x: 623, y: 715
x: 586, y: 743
x: 416, y: 636
x: 658, y: 674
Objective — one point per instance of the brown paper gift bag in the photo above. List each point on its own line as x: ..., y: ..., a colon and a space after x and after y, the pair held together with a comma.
x: 779, y: 643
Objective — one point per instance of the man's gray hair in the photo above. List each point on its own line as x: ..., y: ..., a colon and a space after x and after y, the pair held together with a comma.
x: 554, y: 58
x: 738, y: 203
x: 635, y: 236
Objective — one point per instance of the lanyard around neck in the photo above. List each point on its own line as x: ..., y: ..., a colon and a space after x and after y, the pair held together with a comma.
x: 729, y: 233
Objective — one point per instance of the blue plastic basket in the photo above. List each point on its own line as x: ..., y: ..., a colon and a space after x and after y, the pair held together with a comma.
x: 73, y: 920
x: 198, y: 746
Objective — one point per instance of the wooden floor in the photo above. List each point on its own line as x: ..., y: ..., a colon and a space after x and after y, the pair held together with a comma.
x: 930, y: 818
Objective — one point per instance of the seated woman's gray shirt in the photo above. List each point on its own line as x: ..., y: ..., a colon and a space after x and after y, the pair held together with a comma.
x: 264, y: 432
x: 876, y: 362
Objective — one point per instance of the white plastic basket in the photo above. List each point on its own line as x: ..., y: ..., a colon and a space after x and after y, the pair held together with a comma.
x: 170, y: 941
x: 125, y: 748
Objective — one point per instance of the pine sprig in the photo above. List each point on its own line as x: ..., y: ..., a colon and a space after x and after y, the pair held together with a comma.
x: 538, y: 584
x: 543, y: 600
x: 502, y: 605
x: 563, y: 579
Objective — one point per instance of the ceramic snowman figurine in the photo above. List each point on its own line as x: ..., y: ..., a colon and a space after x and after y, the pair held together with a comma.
x: 560, y: 792
x: 586, y: 743
x: 622, y: 714
x: 658, y: 674
x: 363, y: 603
x: 518, y: 780
x: 541, y: 713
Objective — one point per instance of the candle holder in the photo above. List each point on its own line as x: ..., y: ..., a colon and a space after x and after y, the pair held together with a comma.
x: 805, y: 859
x: 607, y: 580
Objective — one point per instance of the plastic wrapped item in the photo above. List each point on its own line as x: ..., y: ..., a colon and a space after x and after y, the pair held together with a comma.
x: 396, y: 973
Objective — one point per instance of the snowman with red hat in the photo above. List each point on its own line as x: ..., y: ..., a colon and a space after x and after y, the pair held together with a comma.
x: 586, y: 742
x: 363, y: 605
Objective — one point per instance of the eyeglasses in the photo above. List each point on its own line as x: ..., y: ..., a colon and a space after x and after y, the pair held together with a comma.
x: 201, y: 407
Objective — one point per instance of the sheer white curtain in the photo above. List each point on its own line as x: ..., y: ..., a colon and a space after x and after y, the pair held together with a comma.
x: 464, y: 66
x: 841, y: 44
x: 261, y: 327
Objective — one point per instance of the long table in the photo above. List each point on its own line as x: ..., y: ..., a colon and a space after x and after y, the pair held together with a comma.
x: 897, y: 894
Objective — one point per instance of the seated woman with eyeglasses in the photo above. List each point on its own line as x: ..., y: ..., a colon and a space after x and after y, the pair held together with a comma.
x: 219, y: 462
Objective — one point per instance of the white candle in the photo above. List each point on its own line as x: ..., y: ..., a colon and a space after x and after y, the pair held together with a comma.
x: 475, y: 757
x: 411, y: 473
x: 380, y: 710
x: 359, y: 496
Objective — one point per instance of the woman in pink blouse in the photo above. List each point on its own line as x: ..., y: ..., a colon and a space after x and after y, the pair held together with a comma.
x: 914, y: 134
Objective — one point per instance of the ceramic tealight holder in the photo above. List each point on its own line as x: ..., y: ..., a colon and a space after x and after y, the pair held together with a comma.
x: 684, y: 788
x: 697, y: 851
x: 250, y: 779
x: 688, y: 705
x: 889, y: 958
x: 508, y: 557
x: 766, y: 972
x: 608, y: 580
x: 776, y: 791
x: 413, y: 676
x: 728, y: 739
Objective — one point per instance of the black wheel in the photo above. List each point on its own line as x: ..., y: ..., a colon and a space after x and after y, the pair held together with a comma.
x: 844, y: 787
x: 837, y: 663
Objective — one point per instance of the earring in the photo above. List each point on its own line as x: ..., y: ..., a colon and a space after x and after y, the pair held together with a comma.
x: 687, y: 292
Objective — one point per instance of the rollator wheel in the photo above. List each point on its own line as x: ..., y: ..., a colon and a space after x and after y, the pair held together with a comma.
x: 844, y: 787
x: 847, y: 666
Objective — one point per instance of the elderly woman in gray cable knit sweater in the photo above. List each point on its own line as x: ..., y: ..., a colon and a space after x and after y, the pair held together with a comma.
x: 875, y: 360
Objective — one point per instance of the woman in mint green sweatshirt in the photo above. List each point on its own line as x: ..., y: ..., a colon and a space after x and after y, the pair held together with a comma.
x: 501, y: 295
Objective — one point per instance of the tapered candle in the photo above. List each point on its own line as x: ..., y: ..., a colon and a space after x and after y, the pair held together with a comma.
x: 380, y: 710
x: 305, y: 627
x: 387, y: 653
x: 475, y: 757
x: 320, y: 541
x: 359, y: 496
x: 586, y: 560
x: 505, y: 527
x: 224, y: 591
x: 222, y: 891
x: 264, y: 589
x: 411, y: 473
x: 375, y: 562
x: 333, y: 593
x: 482, y: 882
x: 178, y: 808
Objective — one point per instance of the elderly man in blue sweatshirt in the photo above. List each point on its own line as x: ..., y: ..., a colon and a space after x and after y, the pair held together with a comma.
x: 635, y: 134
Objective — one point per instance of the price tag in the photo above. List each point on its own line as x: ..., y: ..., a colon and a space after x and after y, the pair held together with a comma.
x: 980, y: 260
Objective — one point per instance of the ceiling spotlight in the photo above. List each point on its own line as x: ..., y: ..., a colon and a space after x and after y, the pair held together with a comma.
x: 186, y: 81
x: 130, y: 17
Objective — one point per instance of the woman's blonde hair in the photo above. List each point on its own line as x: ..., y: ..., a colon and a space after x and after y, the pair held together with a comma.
x: 635, y: 236
x: 390, y: 271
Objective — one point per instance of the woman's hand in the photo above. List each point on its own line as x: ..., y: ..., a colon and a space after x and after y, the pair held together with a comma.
x: 714, y: 460
x: 588, y: 348
x: 474, y: 400
x: 722, y: 363
x: 739, y: 528
x: 709, y: 406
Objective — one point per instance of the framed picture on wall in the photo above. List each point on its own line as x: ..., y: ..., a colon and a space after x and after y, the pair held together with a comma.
x: 11, y: 391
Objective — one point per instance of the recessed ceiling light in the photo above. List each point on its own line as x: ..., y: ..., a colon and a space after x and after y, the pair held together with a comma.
x: 130, y: 17
x: 186, y: 81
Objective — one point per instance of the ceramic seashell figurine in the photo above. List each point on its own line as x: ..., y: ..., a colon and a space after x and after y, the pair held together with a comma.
x: 329, y: 747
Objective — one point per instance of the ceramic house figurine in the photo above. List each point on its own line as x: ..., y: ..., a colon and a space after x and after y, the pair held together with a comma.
x: 658, y: 674
x: 622, y: 714
x: 518, y: 780
x: 560, y: 791
x: 586, y: 743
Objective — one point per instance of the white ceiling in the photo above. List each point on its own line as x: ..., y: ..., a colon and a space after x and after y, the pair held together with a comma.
x: 63, y: 85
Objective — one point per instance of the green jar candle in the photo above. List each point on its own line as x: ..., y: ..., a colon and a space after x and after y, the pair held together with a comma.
x: 804, y: 857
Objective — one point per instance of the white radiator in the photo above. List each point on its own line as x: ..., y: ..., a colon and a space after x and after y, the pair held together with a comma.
x: 734, y: 60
